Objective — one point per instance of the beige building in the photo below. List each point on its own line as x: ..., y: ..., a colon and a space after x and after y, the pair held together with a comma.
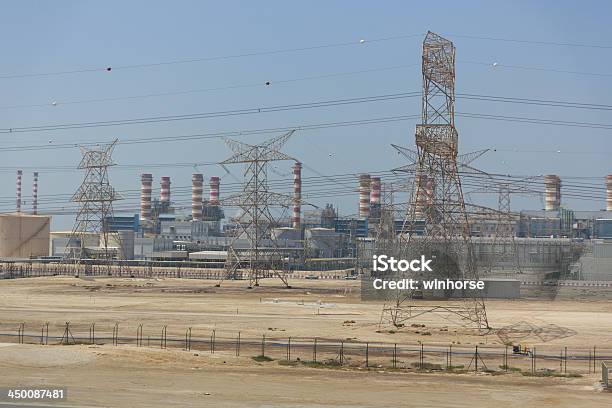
x: 24, y: 235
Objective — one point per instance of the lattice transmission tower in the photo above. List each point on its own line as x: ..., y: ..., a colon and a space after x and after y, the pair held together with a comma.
x: 95, y: 197
x: 504, y: 246
x: 439, y: 227
x: 254, y: 249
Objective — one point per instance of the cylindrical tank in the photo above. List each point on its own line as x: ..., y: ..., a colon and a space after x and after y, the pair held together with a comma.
x: 24, y: 235
x: 146, y: 186
x: 197, y: 181
x: 296, y: 219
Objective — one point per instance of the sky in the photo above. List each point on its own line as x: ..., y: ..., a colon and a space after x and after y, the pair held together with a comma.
x: 87, y: 36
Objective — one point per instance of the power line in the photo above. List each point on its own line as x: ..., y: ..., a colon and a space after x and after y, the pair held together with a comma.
x: 360, y: 42
x: 497, y: 65
x: 534, y: 42
x: 326, y: 125
x: 207, y: 115
x: 58, y: 102
x: 110, y: 68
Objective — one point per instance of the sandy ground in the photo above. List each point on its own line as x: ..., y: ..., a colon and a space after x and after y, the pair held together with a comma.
x: 131, y: 376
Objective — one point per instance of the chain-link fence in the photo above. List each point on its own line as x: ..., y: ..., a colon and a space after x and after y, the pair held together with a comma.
x: 539, y: 360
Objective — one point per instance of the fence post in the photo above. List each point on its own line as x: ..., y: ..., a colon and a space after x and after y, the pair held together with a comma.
x: 46, y: 333
x: 395, y: 355
x: 476, y: 358
x: 116, y: 335
x: 594, y: 362
x: 450, y: 355
x: 238, y: 346
x: 263, y: 345
x: 506, y: 359
x: 421, y: 358
x: 162, y: 341
x: 314, y: 351
x: 565, y: 368
x: 367, y: 354
x: 341, y: 352
x: 289, y: 350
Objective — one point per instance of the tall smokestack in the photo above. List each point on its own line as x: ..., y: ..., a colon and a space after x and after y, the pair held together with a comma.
x: 420, y: 198
x: 364, y: 196
x: 35, y: 193
x: 164, y: 192
x: 375, y: 192
x: 296, y: 219
x: 146, y: 185
x: 429, y: 190
x: 197, y: 181
x: 214, y: 190
x: 18, y: 190
x: 609, y: 192
x: 552, y: 185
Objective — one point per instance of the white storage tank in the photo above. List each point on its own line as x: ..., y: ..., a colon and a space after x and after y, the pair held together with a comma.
x: 24, y: 235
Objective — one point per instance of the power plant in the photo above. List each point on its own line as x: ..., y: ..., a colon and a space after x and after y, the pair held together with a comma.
x: 272, y: 233
x: 231, y: 205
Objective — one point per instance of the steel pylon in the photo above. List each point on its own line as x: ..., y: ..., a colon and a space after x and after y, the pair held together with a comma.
x: 254, y: 248
x: 95, y: 197
x: 436, y: 224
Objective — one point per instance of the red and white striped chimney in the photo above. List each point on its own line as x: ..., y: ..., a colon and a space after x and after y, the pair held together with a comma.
x: 420, y: 195
x: 146, y: 186
x: 35, y: 193
x: 375, y: 193
x: 609, y: 192
x: 18, y: 190
x: 197, y: 181
x: 296, y: 219
x: 552, y: 185
x: 364, y: 196
x: 429, y: 190
x: 214, y: 190
x: 164, y: 192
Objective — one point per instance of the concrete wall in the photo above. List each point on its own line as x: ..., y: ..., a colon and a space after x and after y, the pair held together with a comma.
x: 24, y: 235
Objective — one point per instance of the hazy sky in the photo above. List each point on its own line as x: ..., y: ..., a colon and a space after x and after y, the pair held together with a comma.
x: 58, y: 36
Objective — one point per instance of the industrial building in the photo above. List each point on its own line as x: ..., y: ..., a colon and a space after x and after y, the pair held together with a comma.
x: 552, y: 242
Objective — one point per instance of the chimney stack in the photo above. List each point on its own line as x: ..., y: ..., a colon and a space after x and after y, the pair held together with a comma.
x: 364, y: 196
x: 420, y: 195
x: 296, y: 219
x: 214, y: 190
x: 375, y: 193
x: 609, y: 192
x: 18, y: 190
x: 164, y: 193
x: 35, y: 193
x: 552, y: 184
x: 146, y: 183
x: 197, y: 181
